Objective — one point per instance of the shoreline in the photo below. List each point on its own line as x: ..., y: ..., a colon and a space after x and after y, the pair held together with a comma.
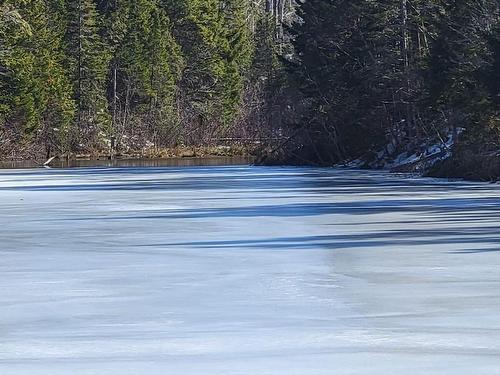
x: 146, y: 156
x: 484, y: 168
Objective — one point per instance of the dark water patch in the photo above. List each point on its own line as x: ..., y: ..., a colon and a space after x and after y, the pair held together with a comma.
x: 131, y: 163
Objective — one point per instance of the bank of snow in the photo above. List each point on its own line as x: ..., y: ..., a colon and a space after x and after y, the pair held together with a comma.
x: 419, y: 157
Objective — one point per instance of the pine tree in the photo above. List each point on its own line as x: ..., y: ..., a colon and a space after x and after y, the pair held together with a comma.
x: 205, y: 68
x: 150, y: 62
x: 462, y: 67
x: 13, y: 30
x: 237, y: 57
x: 37, y: 79
x: 217, y: 44
x: 88, y: 60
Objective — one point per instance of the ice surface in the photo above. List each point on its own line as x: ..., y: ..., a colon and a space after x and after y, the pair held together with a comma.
x: 246, y: 270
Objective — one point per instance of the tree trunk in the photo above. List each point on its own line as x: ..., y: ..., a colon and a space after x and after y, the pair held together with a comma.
x: 406, y: 68
x: 80, y: 50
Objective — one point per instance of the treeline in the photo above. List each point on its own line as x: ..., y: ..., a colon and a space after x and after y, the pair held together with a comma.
x: 380, y: 77
x: 77, y: 75
x: 324, y: 80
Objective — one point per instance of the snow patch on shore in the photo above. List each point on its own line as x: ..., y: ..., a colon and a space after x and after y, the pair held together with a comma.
x: 416, y: 159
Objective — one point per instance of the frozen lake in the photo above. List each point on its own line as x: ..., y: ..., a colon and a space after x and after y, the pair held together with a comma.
x: 247, y: 270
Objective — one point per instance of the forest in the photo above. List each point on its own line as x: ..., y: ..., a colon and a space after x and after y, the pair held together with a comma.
x: 312, y: 82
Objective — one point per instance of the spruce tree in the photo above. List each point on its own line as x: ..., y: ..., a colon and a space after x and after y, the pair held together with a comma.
x: 88, y: 60
x: 40, y: 87
x: 217, y: 44
x: 462, y: 68
x: 151, y: 63
x: 14, y: 29
x: 237, y: 57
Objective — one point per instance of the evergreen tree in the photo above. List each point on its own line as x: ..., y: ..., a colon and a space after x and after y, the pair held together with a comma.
x: 13, y: 30
x: 36, y: 79
x: 217, y: 43
x: 236, y: 57
x: 88, y: 60
x: 150, y: 64
x: 462, y: 67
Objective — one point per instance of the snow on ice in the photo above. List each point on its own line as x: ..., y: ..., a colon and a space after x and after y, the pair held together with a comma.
x: 247, y: 270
